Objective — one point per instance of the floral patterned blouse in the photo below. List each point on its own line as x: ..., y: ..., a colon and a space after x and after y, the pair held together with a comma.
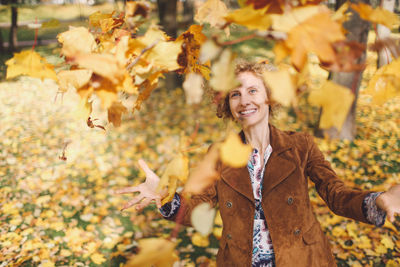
x: 263, y: 251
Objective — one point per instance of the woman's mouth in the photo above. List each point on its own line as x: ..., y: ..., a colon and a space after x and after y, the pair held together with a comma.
x: 247, y: 112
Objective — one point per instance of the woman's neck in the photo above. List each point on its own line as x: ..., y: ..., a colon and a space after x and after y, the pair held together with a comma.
x: 258, y: 136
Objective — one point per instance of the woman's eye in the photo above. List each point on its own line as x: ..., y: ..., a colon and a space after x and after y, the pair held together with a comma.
x: 234, y: 94
x: 253, y: 91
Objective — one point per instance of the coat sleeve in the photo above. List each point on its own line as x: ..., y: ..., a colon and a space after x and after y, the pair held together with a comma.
x: 342, y: 200
x: 183, y: 207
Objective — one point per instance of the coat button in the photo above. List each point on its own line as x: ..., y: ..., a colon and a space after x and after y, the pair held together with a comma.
x: 229, y: 236
x: 290, y: 200
x: 297, y: 232
x: 229, y: 204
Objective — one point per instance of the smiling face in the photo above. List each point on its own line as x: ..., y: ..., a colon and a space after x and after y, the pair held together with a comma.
x: 248, y: 102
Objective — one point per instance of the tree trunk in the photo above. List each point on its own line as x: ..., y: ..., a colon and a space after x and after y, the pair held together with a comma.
x: 12, y: 41
x: 357, y: 31
x: 167, y: 15
x: 384, y: 56
x: 1, y: 42
x: 188, y: 13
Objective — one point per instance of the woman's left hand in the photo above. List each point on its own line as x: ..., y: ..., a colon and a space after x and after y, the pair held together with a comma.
x: 389, y: 201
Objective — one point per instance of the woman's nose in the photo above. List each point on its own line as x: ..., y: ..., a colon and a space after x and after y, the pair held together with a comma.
x: 244, y: 100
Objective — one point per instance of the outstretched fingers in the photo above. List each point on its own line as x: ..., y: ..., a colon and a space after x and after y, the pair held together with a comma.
x: 143, y: 165
x: 132, y: 202
x: 127, y: 190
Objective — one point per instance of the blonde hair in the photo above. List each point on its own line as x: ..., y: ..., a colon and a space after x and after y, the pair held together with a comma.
x: 223, y: 108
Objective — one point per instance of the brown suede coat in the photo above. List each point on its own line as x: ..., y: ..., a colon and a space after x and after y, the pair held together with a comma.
x: 296, y: 235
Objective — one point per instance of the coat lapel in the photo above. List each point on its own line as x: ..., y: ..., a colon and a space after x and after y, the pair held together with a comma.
x: 239, y: 180
x: 278, y: 167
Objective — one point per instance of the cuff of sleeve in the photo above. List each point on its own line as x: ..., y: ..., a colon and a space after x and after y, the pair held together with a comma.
x: 371, y: 211
x: 170, y: 209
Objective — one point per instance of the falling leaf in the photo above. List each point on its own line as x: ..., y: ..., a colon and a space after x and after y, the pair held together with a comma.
x: 29, y: 63
x: 193, y: 87
x: 212, y: 12
x: 160, y: 52
x: 312, y: 36
x: 97, y: 258
x: 335, y: 101
x: 154, y: 252
x: 188, y: 59
x: 223, y: 73
x: 233, y: 152
x: 115, y: 112
x: 378, y: 15
x: 200, y: 240
x: 73, y: 78
x: 137, y: 8
x: 347, y: 56
x: 205, y: 172
x: 253, y: 19
x: 385, y: 83
x: 105, y: 65
x: 342, y: 14
x: 281, y: 85
x: 75, y: 41
x: 279, y: 6
x: 202, y: 218
x: 209, y: 50
x: 387, y: 44
x: 177, y: 170
x: 287, y: 21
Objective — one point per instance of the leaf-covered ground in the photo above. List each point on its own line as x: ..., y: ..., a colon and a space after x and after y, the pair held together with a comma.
x: 56, y: 212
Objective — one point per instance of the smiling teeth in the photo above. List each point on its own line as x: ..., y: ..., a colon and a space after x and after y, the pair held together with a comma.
x: 247, y: 111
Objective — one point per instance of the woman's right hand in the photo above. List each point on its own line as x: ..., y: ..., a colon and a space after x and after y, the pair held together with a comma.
x: 147, y: 190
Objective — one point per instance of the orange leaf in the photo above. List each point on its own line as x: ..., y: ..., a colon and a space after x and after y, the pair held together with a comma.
x: 312, y: 36
x: 378, y: 15
x: 115, y: 113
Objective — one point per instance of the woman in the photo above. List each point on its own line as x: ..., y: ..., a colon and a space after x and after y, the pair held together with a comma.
x: 265, y: 207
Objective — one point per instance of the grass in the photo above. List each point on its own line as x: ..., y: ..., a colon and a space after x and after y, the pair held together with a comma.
x: 60, y: 12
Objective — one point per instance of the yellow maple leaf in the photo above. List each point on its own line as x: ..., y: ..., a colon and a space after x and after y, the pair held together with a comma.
x: 161, y: 52
x: 154, y: 252
x: 385, y: 84
x: 312, y: 36
x: 281, y: 85
x: 177, y: 170
x: 105, y: 65
x: 75, y: 41
x: 223, y: 76
x: 281, y: 51
x: 288, y: 20
x: 233, y: 152
x: 364, y: 242
x: 390, y: 226
x: 97, y: 258
x: 335, y: 101
x: 202, y: 218
x: 253, y: 19
x: 73, y: 78
x: 114, y: 113
x: 200, y: 240
x: 212, y: 12
x: 378, y: 15
x: 29, y: 63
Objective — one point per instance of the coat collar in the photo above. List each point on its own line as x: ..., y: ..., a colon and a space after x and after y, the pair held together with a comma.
x: 277, y: 169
